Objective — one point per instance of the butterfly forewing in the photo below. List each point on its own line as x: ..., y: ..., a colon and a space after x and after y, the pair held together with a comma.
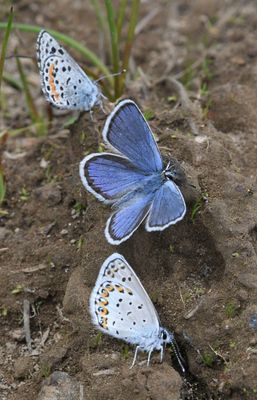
x: 109, y: 176
x: 127, y: 131
x: 119, y: 304
x: 64, y: 83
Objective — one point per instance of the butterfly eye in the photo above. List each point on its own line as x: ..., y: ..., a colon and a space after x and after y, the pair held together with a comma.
x: 164, y: 335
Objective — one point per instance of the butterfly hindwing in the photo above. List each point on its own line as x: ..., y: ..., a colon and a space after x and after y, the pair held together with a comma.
x: 127, y: 131
x: 119, y: 304
x: 64, y: 83
x: 126, y: 219
x: 168, y: 207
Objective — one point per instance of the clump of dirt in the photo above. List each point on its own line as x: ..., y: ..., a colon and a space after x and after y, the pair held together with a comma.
x: 200, y: 273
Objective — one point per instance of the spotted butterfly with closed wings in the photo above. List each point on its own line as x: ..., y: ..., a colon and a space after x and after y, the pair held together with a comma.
x: 64, y: 83
x: 120, y: 307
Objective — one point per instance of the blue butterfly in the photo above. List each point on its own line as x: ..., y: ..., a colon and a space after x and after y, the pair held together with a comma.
x: 135, y: 180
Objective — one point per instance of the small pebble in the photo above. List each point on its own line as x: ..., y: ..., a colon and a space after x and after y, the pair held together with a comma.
x: 248, y: 280
x: 4, y: 233
x: 106, y: 372
x: 23, y: 367
x: 17, y: 334
x: 253, y: 321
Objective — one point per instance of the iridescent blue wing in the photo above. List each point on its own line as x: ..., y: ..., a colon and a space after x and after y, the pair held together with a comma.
x: 127, y: 131
x: 109, y: 176
x: 123, y: 222
x: 168, y: 207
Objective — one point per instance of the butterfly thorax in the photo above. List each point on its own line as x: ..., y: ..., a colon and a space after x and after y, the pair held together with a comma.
x: 145, y: 188
x: 174, y: 172
x: 91, y: 97
x: 156, y: 340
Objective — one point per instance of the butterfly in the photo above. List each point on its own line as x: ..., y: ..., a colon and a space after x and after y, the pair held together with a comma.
x: 64, y: 83
x: 135, y: 180
x: 120, y: 307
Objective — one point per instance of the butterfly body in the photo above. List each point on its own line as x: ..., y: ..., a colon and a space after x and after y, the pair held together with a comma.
x: 145, y: 189
x: 120, y: 307
x: 154, y: 340
x: 64, y: 83
x: 134, y: 180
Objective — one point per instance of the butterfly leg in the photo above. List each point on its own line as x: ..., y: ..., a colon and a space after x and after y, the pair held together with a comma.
x: 161, y: 353
x: 101, y: 104
x: 91, y: 115
x: 135, y: 357
x: 149, y: 356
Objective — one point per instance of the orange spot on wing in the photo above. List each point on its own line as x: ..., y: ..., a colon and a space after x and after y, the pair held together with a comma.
x: 104, y: 312
x: 53, y: 93
x: 104, y: 323
x: 104, y: 293
x: 103, y: 302
x: 109, y: 287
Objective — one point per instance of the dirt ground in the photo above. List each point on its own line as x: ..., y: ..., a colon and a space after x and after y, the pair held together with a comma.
x: 200, y: 273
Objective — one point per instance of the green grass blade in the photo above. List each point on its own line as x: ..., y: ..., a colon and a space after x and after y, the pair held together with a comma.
x: 120, y: 17
x: 27, y: 130
x: 114, y: 44
x: 8, y: 78
x: 3, y: 139
x: 29, y: 99
x: 2, y: 186
x: 5, y: 43
x: 33, y: 112
x: 84, y: 51
x: 129, y: 41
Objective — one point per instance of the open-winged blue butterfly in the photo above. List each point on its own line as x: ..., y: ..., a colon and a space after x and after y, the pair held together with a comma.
x: 135, y: 180
x: 120, y: 307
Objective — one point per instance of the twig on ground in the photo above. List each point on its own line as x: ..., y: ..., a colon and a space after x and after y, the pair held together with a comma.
x: 218, y: 354
x: 146, y: 20
x: 44, y: 337
x: 26, y: 323
x: 59, y: 310
x: 181, y: 297
x: 193, y: 310
x: 81, y: 392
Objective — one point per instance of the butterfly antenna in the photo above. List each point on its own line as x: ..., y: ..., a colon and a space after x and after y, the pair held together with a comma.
x: 109, y: 76
x: 180, y: 359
